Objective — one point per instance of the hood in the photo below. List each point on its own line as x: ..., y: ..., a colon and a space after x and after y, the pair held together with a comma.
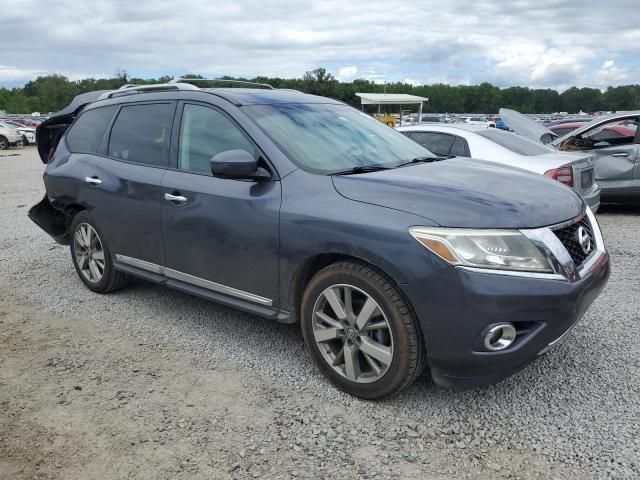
x: 466, y: 193
x: 523, y: 125
x: 598, y: 121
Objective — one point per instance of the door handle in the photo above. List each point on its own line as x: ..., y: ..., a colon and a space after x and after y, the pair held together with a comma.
x: 175, y: 198
x: 621, y: 154
x: 93, y: 180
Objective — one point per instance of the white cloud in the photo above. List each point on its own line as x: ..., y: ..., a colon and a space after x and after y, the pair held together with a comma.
x: 611, y: 74
x: 9, y: 73
x: 346, y: 74
x: 541, y: 43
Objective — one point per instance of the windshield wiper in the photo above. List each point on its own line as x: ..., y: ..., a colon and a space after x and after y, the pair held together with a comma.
x: 424, y: 160
x: 361, y: 169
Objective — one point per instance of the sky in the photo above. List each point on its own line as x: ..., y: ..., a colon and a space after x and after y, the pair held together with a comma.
x: 539, y: 44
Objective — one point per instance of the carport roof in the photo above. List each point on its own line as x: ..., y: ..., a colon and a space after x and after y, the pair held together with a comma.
x: 390, y: 99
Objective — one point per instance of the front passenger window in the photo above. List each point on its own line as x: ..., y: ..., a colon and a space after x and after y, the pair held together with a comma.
x: 205, y: 132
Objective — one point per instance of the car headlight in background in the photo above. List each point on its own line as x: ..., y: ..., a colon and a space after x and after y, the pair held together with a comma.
x: 497, y: 249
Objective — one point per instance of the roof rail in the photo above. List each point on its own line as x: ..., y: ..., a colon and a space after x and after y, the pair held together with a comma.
x: 127, y: 89
x: 243, y: 82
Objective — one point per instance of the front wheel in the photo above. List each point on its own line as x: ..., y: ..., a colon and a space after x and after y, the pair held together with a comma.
x: 360, y: 331
x: 4, y: 143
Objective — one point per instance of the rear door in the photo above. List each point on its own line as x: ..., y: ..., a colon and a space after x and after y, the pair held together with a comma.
x: 219, y: 234
x: 121, y: 185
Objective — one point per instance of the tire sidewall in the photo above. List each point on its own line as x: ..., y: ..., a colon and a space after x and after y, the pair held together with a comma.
x: 84, y: 217
x: 4, y: 143
x: 397, y: 371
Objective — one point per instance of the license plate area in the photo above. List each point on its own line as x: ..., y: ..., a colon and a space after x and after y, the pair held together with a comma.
x: 586, y: 179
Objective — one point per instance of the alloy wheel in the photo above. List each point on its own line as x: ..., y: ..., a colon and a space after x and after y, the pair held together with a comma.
x: 89, y: 253
x: 352, y: 333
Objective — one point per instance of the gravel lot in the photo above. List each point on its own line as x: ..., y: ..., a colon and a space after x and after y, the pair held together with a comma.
x: 152, y: 383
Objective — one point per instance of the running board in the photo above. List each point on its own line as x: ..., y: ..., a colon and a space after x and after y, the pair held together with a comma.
x: 212, y: 291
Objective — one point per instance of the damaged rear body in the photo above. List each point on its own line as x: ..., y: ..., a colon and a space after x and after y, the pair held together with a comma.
x: 52, y: 214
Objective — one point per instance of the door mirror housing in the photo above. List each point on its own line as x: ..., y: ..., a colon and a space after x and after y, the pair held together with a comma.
x: 238, y: 165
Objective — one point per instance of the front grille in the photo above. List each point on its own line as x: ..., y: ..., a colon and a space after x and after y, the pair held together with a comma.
x: 569, y: 238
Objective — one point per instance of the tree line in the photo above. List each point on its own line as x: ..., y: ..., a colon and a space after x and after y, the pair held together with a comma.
x: 52, y: 92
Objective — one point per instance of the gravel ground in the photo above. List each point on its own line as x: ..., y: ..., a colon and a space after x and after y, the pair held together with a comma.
x: 152, y: 383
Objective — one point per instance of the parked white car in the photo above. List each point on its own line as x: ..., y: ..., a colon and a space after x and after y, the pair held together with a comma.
x: 489, y: 144
x: 28, y: 133
x: 475, y: 120
x: 10, y: 137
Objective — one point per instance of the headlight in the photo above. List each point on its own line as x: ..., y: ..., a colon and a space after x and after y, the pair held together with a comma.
x: 499, y: 249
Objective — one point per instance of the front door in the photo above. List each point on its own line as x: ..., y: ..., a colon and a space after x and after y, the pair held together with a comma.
x: 219, y: 234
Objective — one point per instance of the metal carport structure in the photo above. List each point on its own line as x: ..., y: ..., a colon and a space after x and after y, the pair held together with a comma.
x: 392, y: 99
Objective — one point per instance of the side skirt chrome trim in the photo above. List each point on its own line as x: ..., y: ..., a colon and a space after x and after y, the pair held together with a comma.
x: 134, y: 262
x: 190, y: 279
x: 216, y: 287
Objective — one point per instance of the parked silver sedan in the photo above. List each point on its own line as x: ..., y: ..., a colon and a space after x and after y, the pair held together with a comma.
x: 490, y: 144
x: 613, y: 141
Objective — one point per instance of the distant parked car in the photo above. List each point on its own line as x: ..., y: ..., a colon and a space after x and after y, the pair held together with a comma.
x: 9, y: 137
x: 501, y: 125
x: 28, y: 133
x: 481, y: 121
x: 612, y: 140
x: 576, y: 171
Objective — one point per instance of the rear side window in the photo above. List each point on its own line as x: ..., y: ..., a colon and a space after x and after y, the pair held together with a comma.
x: 86, y: 134
x: 460, y: 148
x: 141, y: 134
x: 438, y: 143
x: 205, y: 132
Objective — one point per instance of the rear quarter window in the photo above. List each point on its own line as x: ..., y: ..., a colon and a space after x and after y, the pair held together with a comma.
x: 87, y: 132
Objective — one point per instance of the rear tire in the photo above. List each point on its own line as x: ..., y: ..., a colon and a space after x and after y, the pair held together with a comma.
x: 92, y: 258
x: 370, y: 345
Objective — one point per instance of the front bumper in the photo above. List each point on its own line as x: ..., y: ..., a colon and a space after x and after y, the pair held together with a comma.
x: 457, y: 306
x: 592, y: 199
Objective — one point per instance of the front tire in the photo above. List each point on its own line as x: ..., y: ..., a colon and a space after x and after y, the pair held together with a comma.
x: 4, y: 143
x: 361, y: 332
x: 92, y: 258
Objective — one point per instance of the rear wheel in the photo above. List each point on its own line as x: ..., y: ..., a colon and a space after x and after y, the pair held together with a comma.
x: 4, y: 143
x: 92, y: 258
x: 360, y: 331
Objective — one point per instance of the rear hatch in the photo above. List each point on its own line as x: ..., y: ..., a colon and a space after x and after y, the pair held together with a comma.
x: 49, y: 132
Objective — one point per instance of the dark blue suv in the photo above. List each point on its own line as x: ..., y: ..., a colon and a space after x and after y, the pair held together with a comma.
x: 302, y: 209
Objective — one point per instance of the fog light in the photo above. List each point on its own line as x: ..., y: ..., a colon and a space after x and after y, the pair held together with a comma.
x: 499, y: 337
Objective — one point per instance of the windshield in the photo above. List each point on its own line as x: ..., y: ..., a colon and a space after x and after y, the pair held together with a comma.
x: 325, y: 138
x: 515, y: 143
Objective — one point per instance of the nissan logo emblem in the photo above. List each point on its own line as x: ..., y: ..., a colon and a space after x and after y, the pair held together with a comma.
x: 584, y: 239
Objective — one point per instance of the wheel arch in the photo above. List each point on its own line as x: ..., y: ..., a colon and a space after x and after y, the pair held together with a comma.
x: 312, y: 265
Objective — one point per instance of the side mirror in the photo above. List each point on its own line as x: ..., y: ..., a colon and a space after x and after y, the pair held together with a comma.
x: 238, y: 165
